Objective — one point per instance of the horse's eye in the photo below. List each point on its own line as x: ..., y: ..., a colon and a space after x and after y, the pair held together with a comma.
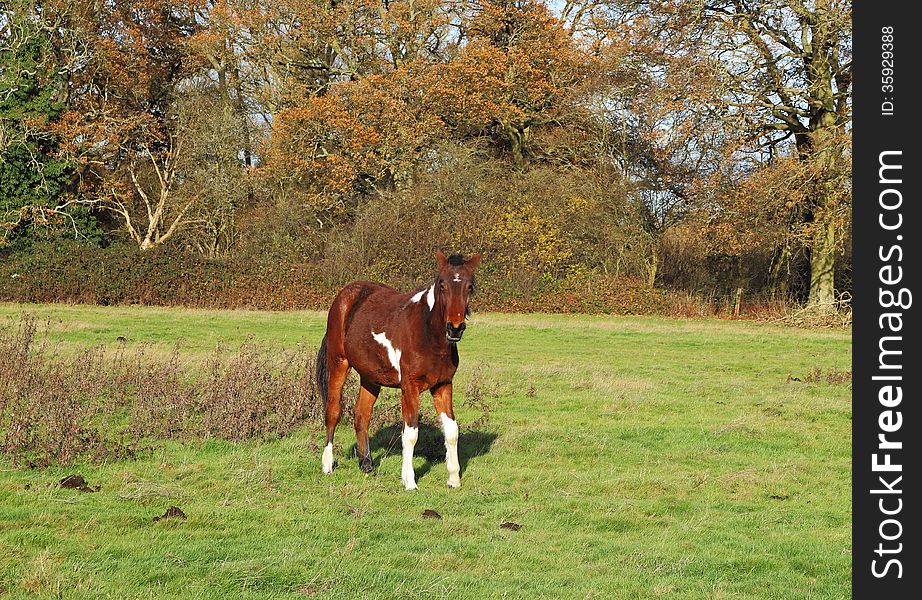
x: 470, y: 289
x: 441, y: 285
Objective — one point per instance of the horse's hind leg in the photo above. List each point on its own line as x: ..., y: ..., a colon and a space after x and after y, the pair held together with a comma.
x: 338, y: 369
x: 441, y: 397
x: 368, y: 393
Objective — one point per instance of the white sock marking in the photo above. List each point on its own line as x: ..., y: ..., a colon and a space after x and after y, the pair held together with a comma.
x: 393, y: 354
x: 327, y: 460
x: 450, y: 428
x: 407, y: 475
x: 430, y: 297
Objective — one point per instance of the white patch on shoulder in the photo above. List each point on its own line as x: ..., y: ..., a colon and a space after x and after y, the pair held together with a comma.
x: 393, y: 354
x: 327, y: 460
x: 457, y: 278
x: 418, y: 296
x: 430, y: 297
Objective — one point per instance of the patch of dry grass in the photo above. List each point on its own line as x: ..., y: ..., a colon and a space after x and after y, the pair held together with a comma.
x: 102, y: 403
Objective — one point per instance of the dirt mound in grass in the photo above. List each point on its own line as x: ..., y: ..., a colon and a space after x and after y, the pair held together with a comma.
x: 173, y: 512
x: 77, y: 482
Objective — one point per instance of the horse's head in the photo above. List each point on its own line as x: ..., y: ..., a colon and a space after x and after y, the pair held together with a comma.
x: 455, y: 284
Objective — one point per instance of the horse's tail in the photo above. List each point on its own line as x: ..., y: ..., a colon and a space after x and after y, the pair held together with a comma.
x: 321, y: 372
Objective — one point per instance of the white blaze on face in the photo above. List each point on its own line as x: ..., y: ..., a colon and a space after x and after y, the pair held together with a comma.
x: 430, y: 297
x: 327, y: 460
x: 457, y: 278
x: 407, y: 475
x: 393, y: 354
x: 450, y: 428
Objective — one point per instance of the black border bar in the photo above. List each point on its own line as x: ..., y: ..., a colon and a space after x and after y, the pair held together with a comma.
x: 887, y: 262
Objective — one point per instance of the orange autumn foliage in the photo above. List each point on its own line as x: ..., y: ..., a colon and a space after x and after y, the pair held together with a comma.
x: 517, y: 69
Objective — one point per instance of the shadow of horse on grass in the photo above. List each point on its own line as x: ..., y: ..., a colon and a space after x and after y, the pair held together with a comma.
x: 430, y: 446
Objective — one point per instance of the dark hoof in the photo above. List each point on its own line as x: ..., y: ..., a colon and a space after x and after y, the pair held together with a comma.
x: 365, y: 464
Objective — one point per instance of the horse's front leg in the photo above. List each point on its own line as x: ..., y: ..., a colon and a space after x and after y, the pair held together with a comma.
x: 410, y: 408
x: 441, y: 397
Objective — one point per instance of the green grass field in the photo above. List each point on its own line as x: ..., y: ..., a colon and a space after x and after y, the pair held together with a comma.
x: 642, y: 457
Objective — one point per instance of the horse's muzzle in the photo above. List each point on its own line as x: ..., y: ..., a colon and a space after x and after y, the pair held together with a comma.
x: 454, y: 333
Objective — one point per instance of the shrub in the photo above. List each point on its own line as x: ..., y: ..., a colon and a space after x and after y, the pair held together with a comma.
x: 65, y: 271
x: 98, y: 403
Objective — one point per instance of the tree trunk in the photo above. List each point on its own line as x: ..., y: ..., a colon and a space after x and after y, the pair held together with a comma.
x: 821, y: 150
x: 823, y: 267
x: 778, y: 278
x: 241, y: 111
x: 518, y: 139
x: 654, y: 263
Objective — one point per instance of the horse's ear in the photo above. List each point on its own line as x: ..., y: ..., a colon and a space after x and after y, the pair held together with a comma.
x: 473, y: 262
x: 441, y: 259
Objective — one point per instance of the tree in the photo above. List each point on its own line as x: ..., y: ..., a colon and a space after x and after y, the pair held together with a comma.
x: 406, y: 84
x: 120, y: 126
x: 33, y: 177
x: 801, y: 89
x: 214, y: 184
x: 782, y: 84
x: 528, y: 72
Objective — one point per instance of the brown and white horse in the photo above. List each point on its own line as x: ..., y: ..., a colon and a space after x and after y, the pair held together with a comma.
x: 399, y: 340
